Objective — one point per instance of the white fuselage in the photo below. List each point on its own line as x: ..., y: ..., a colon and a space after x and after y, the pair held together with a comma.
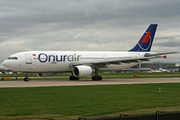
x: 59, y: 61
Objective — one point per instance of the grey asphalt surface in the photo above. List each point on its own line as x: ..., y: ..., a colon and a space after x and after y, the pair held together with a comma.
x: 43, y: 83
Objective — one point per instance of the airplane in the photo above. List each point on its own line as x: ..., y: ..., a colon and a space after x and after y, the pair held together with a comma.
x: 83, y: 63
x: 166, y: 70
x: 152, y: 71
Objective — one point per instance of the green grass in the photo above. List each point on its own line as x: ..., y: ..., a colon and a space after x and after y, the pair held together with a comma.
x: 75, y: 101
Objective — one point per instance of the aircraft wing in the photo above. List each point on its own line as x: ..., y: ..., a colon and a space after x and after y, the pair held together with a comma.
x: 115, y: 61
x: 120, y: 60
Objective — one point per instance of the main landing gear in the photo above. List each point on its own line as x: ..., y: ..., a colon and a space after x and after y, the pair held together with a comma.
x: 96, y: 77
x: 26, y: 79
x: 73, y: 78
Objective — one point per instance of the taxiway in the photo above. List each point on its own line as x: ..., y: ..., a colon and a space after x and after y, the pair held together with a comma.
x: 45, y: 83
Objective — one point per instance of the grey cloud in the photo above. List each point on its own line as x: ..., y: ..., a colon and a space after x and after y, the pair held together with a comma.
x: 40, y: 23
x: 168, y: 44
x: 168, y: 41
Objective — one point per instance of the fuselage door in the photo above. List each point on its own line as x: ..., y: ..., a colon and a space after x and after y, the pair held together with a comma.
x: 28, y: 59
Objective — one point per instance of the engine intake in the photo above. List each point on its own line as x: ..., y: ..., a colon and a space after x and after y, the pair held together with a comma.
x: 82, y: 71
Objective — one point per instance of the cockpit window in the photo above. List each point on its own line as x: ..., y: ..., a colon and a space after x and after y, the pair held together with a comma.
x: 13, y: 58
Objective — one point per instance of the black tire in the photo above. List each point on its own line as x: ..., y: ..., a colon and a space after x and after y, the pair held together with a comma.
x: 93, y: 78
x: 26, y: 79
x: 99, y: 78
x: 73, y: 78
x: 77, y: 78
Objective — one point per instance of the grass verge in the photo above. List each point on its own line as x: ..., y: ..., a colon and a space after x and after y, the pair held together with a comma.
x: 75, y: 101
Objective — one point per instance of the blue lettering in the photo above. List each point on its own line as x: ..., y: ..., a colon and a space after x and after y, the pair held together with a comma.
x: 39, y: 57
x: 57, y: 58
x: 64, y: 57
x: 50, y: 58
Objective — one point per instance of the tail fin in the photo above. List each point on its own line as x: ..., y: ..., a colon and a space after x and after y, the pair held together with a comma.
x: 160, y: 68
x: 145, y: 43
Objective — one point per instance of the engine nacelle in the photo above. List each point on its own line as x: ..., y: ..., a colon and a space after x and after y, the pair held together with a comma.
x: 82, y: 71
x: 45, y: 74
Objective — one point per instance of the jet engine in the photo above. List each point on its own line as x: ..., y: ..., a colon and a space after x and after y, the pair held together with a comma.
x: 82, y: 71
x: 45, y: 74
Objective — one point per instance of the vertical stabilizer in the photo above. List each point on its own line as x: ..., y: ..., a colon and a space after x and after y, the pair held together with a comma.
x: 160, y: 68
x: 145, y: 43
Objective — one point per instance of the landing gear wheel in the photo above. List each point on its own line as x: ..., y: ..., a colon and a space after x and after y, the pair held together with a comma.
x: 98, y: 78
x: 93, y: 78
x: 26, y: 79
x: 73, y: 78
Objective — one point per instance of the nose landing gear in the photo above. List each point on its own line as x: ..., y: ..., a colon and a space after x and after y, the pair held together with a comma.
x: 26, y: 79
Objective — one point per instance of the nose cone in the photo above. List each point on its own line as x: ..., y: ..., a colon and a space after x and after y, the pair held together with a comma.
x: 5, y: 63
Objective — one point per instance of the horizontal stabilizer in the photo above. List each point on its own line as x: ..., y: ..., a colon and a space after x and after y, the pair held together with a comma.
x: 150, y: 55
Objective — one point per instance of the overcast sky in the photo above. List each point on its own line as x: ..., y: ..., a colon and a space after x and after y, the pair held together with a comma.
x: 80, y: 25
